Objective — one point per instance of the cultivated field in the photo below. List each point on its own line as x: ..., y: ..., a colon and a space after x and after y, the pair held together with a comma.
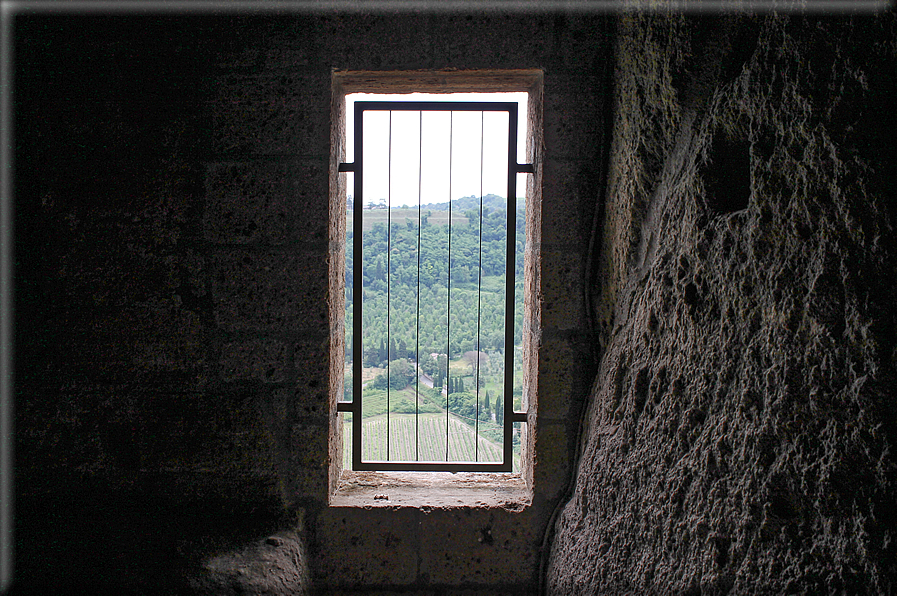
x: 428, y: 445
x: 398, y: 216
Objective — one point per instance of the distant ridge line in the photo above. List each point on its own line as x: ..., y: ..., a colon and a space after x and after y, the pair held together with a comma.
x: 471, y: 202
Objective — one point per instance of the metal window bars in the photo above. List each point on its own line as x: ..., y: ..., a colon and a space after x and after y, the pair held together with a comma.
x: 382, y: 460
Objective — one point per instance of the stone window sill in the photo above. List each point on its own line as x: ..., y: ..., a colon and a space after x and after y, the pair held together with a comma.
x: 437, y: 490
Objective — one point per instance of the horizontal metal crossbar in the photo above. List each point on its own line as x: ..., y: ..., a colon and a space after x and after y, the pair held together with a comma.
x: 437, y: 106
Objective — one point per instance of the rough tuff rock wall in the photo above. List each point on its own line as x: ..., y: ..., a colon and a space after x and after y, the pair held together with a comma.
x: 740, y: 434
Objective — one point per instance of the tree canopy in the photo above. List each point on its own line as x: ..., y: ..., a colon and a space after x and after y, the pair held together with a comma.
x: 436, y: 288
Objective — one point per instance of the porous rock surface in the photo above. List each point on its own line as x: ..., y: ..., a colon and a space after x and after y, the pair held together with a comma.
x: 739, y: 437
x: 273, y: 566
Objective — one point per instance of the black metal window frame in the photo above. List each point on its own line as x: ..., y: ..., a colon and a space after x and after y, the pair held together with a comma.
x: 355, y: 406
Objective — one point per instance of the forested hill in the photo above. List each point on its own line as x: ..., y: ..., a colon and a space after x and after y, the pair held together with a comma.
x: 416, y: 284
x: 473, y: 202
x: 460, y: 204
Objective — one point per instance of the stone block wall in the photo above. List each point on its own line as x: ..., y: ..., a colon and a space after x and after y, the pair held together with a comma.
x: 740, y: 435
x: 175, y: 256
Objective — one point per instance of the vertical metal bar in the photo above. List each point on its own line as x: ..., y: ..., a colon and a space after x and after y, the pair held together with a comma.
x: 420, y: 161
x: 448, y: 310
x: 510, y: 267
x: 388, y: 276
x: 476, y: 422
x: 357, y: 292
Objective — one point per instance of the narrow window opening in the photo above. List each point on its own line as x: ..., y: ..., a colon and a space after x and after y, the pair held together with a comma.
x: 429, y: 230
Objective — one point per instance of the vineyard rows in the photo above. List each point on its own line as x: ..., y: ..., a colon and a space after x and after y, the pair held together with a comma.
x: 430, y: 444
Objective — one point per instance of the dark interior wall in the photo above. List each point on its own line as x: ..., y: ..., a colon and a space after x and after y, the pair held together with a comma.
x: 172, y: 317
x: 141, y: 437
x: 740, y: 436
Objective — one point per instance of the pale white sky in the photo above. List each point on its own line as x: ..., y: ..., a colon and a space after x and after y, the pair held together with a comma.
x: 420, y: 160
